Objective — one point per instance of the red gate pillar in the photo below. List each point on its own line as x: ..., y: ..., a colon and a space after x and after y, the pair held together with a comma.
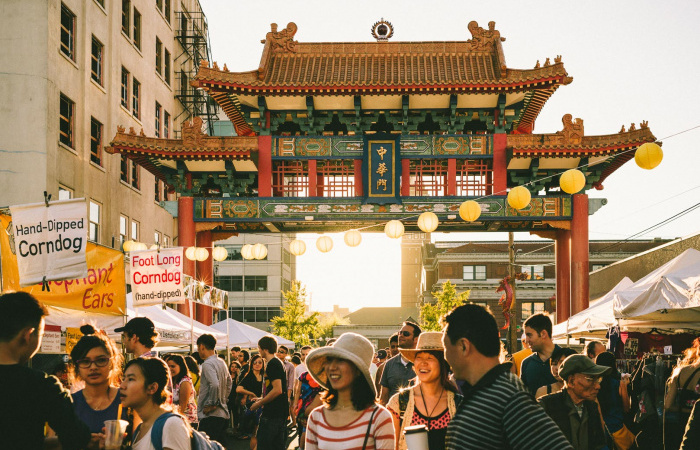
x: 500, y: 175
x: 405, y: 177
x: 186, y: 238
x: 264, y: 166
x: 357, y: 169
x: 205, y: 271
x: 562, y: 246
x: 451, y: 177
x: 579, y: 254
x: 313, y: 174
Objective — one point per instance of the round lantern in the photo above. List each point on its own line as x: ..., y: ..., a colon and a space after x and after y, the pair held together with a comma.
x: 324, y: 244
x: 247, y: 251
x: 139, y: 246
x: 154, y: 247
x: 428, y: 222
x: 297, y: 247
x: 648, y: 155
x: 259, y: 251
x: 469, y: 211
x: 201, y: 254
x: 219, y: 253
x: 572, y: 181
x: 394, y: 229
x: 519, y: 197
x: 352, y: 238
x: 190, y: 253
x: 128, y: 246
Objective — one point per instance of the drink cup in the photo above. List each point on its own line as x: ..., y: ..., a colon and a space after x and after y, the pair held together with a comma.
x: 114, y: 433
x: 416, y: 437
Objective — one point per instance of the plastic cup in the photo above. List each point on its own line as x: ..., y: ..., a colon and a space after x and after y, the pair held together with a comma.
x: 114, y: 433
x: 416, y: 437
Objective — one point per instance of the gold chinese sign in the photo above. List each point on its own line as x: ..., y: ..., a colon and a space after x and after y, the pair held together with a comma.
x: 382, y: 169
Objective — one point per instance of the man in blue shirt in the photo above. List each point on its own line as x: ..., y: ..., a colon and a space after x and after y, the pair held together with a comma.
x: 535, y: 371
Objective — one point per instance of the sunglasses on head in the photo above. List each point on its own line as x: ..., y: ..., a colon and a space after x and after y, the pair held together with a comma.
x: 405, y: 333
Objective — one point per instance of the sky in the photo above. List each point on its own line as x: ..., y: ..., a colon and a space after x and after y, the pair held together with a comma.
x: 630, y: 60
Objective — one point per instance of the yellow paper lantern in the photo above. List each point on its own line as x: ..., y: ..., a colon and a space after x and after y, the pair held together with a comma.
x: 394, y: 229
x: 352, y: 238
x: 519, y: 197
x: 128, y: 246
x: 324, y: 244
x: 190, y: 253
x: 219, y: 253
x: 648, y: 155
x: 201, y: 254
x: 572, y: 181
x: 297, y: 247
x: 154, y: 247
x: 259, y: 251
x: 247, y: 251
x: 469, y: 211
x: 428, y: 222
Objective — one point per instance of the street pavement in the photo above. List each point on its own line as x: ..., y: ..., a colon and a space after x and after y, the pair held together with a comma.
x: 244, y: 444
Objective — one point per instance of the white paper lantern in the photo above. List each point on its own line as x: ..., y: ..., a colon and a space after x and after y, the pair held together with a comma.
x: 139, y: 246
x: 394, y: 229
x: 190, y: 253
x: 259, y: 251
x: 247, y: 251
x: 297, y: 247
x: 201, y: 254
x: 219, y: 253
x: 428, y: 222
x: 154, y: 247
x: 324, y: 244
x: 128, y: 246
x: 352, y: 238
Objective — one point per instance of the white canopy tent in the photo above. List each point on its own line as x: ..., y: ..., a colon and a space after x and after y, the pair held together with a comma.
x: 668, y: 295
x: 243, y: 335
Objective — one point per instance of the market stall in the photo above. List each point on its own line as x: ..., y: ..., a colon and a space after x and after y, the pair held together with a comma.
x: 244, y: 335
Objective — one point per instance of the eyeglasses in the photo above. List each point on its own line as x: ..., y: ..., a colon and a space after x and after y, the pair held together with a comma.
x: 86, y: 363
x: 281, y: 352
x: 405, y: 333
x: 596, y: 380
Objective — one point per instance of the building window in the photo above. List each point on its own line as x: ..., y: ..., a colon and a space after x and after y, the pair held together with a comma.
x: 159, y: 57
x: 166, y: 67
x: 533, y: 272
x: 124, y: 169
x: 166, y: 10
x: 135, y: 230
x: 97, y: 58
x: 166, y: 125
x: 290, y: 179
x: 530, y: 308
x: 474, y: 178
x: 123, y: 225
x: 137, y: 29
x: 126, y: 16
x: 157, y: 191
x: 136, y: 100
x: 184, y: 84
x: 64, y: 193
x: 67, y: 108
x: 255, y: 283
x: 428, y: 178
x: 286, y: 285
x: 158, y: 111
x: 125, y: 88
x: 598, y: 266
x: 95, y: 141
x: 232, y: 283
x: 156, y: 238
x: 94, y: 231
x: 159, y: 5
x: 67, y: 32
x: 233, y: 252
x: 252, y: 313
x: 166, y: 241
x: 336, y: 179
x: 474, y: 273
x: 286, y: 257
x: 183, y: 24
x: 135, y: 180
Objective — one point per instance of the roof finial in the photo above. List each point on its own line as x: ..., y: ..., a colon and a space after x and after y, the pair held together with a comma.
x: 382, y: 30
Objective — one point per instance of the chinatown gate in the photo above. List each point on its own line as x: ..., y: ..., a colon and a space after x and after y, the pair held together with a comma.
x: 345, y: 135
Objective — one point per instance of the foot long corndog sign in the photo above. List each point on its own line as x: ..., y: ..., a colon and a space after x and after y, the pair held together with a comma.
x: 156, y: 276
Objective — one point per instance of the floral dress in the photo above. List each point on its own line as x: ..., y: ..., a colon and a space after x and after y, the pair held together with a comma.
x: 191, y: 411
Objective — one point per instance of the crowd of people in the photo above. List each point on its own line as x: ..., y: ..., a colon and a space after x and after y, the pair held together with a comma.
x: 454, y: 389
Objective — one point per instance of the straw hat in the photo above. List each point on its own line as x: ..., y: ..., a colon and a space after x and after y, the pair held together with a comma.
x: 428, y: 341
x: 349, y: 346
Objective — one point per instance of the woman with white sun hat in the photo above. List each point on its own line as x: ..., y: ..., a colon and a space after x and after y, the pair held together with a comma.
x: 349, y: 416
x: 432, y: 399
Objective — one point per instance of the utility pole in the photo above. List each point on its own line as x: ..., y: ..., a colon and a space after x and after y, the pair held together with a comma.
x: 512, y: 329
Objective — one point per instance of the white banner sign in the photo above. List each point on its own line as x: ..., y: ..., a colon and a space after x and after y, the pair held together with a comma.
x: 51, y: 342
x: 156, y: 276
x: 50, y: 241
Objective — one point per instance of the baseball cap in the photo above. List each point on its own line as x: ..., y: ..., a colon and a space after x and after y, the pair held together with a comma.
x: 138, y: 326
x: 581, y: 364
x: 381, y: 354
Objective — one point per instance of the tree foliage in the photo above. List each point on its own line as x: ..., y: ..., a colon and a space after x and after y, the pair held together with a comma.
x: 445, y: 301
x: 295, y: 323
x: 326, y: 324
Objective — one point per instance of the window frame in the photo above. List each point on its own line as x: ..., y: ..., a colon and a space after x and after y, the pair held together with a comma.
x: 62, y: 188
x: 126, y: 18
x: 166, y: 124
x: 159, y: 56
x: 66, y: 137
x: 96, y: 141
x: 125, y: 76
x: 158, y: 112
x: 97, y: 61
x: 135, y: 230
x: 136, y: 98
x: 532, y: 272
x: 255, y: 283
x: 123, y: 233
x: 68, y: 47
x: 475, y: 270
x: 135, y: 176
x: 92, y: 223
x: 137, y: 29
x: 166, y: 66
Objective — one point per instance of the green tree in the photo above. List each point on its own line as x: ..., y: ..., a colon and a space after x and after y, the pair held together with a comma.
x: 445, y: 301
x: 326, y: 324
x: 295, y: 323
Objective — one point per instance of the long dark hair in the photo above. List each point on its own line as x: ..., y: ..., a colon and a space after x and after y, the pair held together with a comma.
x: 97, y: 339
x: 362, y: 395
x: 192, y: 365
x: 444, y: 372
x: 180, y: 361
x: 605, y: 396
x: 154, y: 370
x: 250, y: 366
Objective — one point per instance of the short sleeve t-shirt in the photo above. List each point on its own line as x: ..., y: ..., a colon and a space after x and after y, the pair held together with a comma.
x: 176, y: 436
x: 279, y: 407
x: 95, y: 420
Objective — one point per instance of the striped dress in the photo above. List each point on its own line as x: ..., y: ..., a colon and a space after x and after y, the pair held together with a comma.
x: 499, y: 413
x: 322, y: 436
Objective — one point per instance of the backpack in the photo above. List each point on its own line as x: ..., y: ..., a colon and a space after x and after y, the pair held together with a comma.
x: 199, y: 441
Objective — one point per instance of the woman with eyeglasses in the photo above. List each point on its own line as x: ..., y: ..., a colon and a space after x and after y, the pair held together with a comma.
x: 98, y: 364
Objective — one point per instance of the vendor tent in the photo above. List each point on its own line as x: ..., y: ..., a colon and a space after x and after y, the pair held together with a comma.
x: 596, y: 319
x: 244, y: 335
x: 669, y: 294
